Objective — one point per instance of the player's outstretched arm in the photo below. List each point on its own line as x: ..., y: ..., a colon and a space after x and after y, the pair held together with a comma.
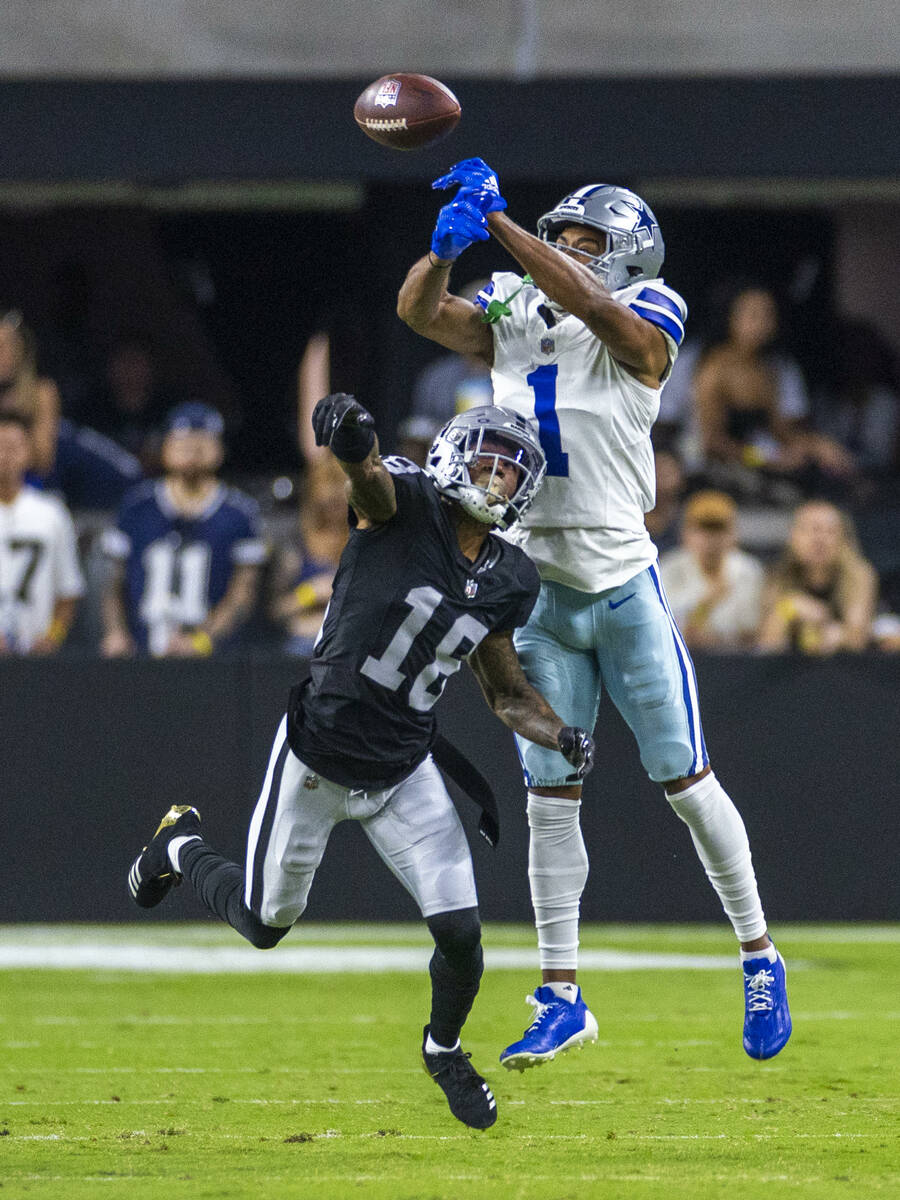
x: 522, y: 707
x: 342, y: 424
x: 428, y: 308
x: 425, y: 304
x: 631, y: 340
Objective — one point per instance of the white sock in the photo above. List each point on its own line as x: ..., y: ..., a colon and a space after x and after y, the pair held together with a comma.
x: 565, y: 991
x: 175, y: 845
x: 720, y: 840
x: 769, y: 953
x: 431, y: 1046
x: 557, y: 873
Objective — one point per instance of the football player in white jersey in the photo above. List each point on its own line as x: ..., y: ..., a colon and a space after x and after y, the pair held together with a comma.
x: 40, y: 579
x: 584, y: 343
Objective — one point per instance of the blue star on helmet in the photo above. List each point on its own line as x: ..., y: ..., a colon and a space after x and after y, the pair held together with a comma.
x: 643, y: 218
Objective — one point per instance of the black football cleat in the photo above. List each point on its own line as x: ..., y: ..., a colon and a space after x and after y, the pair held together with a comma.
x: 151, y: 875
x: 469, y: 1096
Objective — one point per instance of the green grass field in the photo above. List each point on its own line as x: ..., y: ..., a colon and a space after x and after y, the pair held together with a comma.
x: 139, y: 1083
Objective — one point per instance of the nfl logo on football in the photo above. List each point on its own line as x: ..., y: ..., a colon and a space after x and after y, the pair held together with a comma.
x: 388, y: 93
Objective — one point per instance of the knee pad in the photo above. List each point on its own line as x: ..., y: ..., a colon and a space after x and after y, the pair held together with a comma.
x: 457, y: 935
x: 670, y: 758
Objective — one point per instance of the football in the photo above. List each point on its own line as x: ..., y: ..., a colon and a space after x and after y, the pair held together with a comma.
x: 406, y: 112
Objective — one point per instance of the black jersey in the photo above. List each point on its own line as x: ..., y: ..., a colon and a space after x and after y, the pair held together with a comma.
x: 407, y: 607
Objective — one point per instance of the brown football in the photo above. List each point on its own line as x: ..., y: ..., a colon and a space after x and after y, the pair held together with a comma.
x: 406, y: 112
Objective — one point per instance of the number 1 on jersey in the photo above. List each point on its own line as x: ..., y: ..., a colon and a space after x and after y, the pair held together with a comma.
x: 542, y: 382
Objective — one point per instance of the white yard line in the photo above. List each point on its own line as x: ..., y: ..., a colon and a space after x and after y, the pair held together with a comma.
x: 180, y: 933
x: 238, y: 960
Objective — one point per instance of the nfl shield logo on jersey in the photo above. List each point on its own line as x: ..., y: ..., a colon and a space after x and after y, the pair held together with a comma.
x: 471, y: 588
x: 547, y: 345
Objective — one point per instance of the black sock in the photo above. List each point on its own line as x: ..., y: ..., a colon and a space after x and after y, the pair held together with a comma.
x: 220, y: 885
x: 456, y: 967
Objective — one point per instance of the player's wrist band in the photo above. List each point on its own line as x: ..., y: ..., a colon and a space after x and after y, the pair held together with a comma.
x: 438, y: 266
x: 202, y: 642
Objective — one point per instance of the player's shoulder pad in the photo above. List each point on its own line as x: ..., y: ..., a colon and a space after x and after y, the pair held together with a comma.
x: 508, y: 548
x: 657, y: 303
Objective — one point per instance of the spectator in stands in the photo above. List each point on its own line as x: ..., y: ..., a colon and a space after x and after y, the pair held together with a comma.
x: 187, y: 550
x: 663, y: 521
x: 24, y: 391
x: 741, y: 415
x: 87, y: 469
x: 304, y: 575
x: 40, y: 577
x: 714, y: 589
x: 131, y: 405
x: 860, y: 407
x: 444, y: 388
x: 822, y: 594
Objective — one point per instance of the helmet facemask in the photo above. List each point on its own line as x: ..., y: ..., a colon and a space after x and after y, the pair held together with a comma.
x: 634, y: 244
x: 487, y: 436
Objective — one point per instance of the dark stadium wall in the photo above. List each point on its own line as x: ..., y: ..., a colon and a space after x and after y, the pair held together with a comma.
x: 161, y: 132
x: 94, y: 752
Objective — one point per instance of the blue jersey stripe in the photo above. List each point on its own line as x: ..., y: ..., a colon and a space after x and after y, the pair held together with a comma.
x: 673, y: 328
x: 688, y: 682
x: 652, y: 296
x: 482, y: 299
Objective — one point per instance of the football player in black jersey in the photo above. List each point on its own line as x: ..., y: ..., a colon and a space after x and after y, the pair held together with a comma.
x: 422, y: 584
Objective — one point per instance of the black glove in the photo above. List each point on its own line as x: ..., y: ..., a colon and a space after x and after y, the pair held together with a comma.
x: 577, y: 747
x: 340, y: 422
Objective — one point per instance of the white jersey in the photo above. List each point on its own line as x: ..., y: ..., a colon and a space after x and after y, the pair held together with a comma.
x: 38, y: 565
x: 586, y: 526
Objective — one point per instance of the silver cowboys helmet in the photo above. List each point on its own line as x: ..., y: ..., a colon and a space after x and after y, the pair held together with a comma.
x: 487, y: 432
x: 634, y: 243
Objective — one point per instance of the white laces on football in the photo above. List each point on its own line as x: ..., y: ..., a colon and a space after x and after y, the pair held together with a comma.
x: 759, y: 996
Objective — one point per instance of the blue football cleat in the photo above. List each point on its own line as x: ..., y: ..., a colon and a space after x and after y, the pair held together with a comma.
x: 767, y: 1019
x: 558, y: 1025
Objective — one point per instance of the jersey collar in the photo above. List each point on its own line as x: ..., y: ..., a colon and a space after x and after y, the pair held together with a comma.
x: 213, y: 504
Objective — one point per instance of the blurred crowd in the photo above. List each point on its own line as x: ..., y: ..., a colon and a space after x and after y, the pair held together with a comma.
x: 777, y: 513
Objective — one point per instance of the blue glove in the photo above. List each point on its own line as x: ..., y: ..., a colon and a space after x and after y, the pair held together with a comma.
x: 459, y: 224
x: 477, y: 183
